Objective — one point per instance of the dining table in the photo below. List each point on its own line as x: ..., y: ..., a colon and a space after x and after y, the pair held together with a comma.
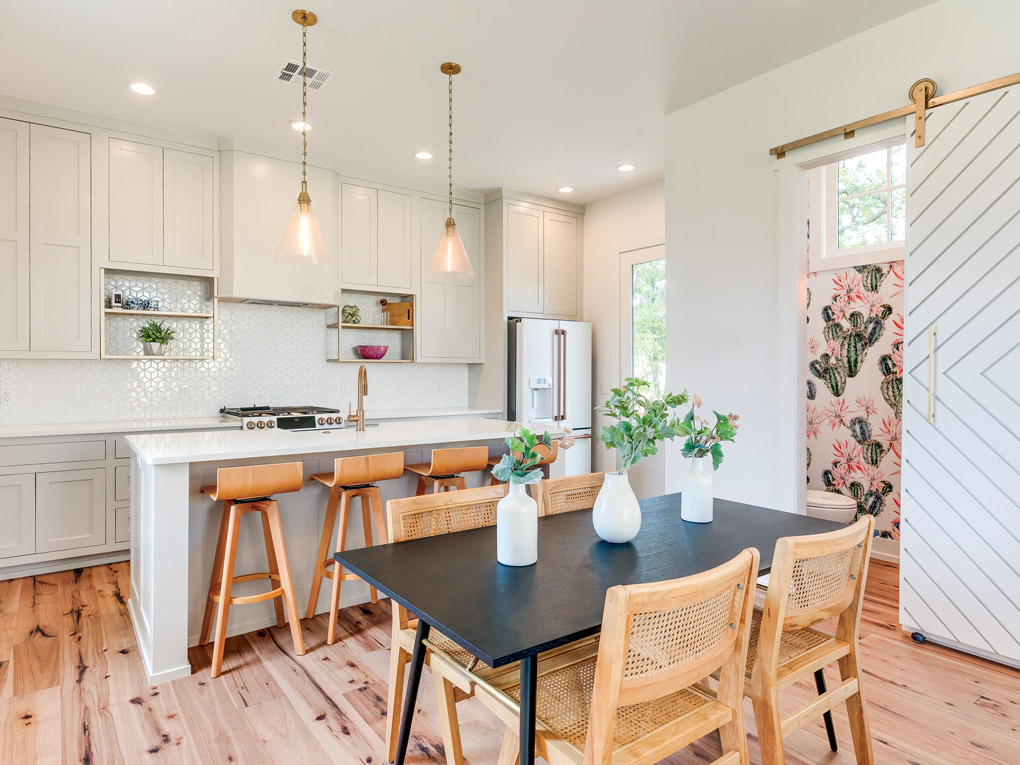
x: 504, y: 614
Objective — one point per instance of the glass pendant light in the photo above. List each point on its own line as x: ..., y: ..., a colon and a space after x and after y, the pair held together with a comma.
x: 451, y: 257
x: 302, y: 241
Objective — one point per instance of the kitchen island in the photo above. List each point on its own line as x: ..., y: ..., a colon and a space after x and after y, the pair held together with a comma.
x: 174, y: 525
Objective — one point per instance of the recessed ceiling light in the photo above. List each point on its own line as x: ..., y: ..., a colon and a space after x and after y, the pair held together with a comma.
x: 299, y: 125
x: 626, y: 167
x: 422, y: 155
x: 142, y: 89
x: 565, y: 189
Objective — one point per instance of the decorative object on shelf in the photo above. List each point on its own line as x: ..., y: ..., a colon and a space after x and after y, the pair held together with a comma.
x: 704, y: 439
x: 450, y: 256
x: 372, y: 352
x: 117, y: 300
x: 399, y: 314
x: 350, y: 314
x: 517, y: 513
x: 640, y: 423
x: 156, y: 336
x: 302, y: 240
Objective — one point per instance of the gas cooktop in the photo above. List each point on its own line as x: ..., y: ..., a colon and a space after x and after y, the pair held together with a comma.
x: 285, y: 417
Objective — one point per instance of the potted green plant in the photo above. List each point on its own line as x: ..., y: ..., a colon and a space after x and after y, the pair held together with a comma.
x: 704, y: 439
x: 517, y: 513
x: 640, y: 423
x: 156, y: 337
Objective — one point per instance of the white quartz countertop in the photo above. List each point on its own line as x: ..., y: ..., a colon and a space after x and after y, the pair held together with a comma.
x: 116, y: 426
x: 438, y: 411
x: 222, y: 445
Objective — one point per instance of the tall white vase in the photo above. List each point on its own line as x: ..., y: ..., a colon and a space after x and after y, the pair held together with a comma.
x: 517, y: 528
x: 696, y: 498
x: 616, y: 514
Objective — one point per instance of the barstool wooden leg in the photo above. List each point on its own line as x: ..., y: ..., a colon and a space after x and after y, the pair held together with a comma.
x: 274, y: 568
x: 272, y: 510
x: 422, y: 486
x: 226, y: 583
x: 378, y: 512
x: 320, y: 562
x: 341, y: 544
x: 214, y: 581
x: 459, y: 483
x: 366, y: 525
x: 495, y: 481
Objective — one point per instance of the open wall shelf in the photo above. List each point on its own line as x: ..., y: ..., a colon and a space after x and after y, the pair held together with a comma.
x: 373, y: 330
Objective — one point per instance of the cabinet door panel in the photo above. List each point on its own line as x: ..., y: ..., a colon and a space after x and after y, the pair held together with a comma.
x: 435, y: 310
x: 359, y: 217
x: 17, y: 515
x: 136, y: 202
x: 60, y: 240
x: 468, y: 323
x: 14, y: 252
x: 394, y: 239
x: 523, y: 259
x: 70, y: 509
x: 559, y: 265
x: 187, y: 210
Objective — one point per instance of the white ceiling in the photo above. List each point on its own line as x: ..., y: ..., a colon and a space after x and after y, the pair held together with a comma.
x: 554, y: 92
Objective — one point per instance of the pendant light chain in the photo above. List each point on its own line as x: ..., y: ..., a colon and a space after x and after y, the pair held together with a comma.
x: 304, y: 106
x: 450, y: 177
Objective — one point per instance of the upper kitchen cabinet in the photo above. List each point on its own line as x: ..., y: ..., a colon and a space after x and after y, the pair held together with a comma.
x: 258, y: 195
x: 450, y: 314
x: 14, y: 252
x: 375, y: 239
x: 162, y: 208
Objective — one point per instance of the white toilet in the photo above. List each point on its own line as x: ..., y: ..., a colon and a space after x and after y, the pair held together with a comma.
x: 831, y: 506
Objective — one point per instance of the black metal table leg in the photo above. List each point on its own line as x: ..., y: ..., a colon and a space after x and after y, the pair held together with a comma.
x: 830, y: 730
x: 411, y: 693
x: 529, y: 683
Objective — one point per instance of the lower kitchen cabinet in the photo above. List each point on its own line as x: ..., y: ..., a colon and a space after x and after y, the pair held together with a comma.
x: 122, y: 524
x: 70, y: 509
x: 17, y: 514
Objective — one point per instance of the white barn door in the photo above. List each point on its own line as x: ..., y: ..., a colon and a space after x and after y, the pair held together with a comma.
x: 960, y: 555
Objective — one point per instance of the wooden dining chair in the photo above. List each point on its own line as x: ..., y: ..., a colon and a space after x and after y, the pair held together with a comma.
x: 444, y: 471
x: 634, y: 696
x: 548, y: 455
x: 564, y: 495
x: 814, y: 579
x: 416, y: 518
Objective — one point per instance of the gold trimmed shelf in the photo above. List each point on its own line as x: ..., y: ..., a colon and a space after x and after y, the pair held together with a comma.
x: 346, y: 325
x: 169, y: 314
x: 370, y: 361
x: 142, y: 357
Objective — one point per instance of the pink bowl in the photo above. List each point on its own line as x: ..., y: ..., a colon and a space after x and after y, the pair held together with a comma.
x: 372, y: 351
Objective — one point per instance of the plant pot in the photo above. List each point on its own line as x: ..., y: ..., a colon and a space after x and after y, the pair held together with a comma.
x: 617, y: 514
x: 696, y: 498
x: 155, y: 349
x: 517, y: 528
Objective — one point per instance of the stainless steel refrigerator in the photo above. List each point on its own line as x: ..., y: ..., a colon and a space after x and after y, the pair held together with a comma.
x: 549, y: 367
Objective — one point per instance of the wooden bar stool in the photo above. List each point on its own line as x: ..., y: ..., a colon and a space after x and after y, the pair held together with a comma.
x: 351, y: 477
x: 447, y: 465
x: 244, y: 490
x: 548, y: 457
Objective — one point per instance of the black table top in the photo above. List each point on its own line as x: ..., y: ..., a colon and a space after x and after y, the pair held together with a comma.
x: 503, y: 613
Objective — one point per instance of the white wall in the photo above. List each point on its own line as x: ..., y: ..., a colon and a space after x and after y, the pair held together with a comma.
x: 611, y: 226
x: 733, y: 307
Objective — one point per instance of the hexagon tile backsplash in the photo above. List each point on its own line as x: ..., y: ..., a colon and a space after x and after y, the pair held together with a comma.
x: 265, y: 355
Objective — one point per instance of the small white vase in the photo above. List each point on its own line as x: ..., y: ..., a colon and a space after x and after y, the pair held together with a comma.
x: 517, y: 528
x: 155, y: 349
x: 696, y: 498
x: 616, y: 514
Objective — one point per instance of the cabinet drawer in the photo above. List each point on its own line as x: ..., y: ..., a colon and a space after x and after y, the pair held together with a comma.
x: 32, y: 454
x: 70, y: 509
x: 122, y: 524
x: 122, y: 482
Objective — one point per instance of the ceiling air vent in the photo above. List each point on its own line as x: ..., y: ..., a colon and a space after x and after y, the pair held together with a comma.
x: 290, y: 71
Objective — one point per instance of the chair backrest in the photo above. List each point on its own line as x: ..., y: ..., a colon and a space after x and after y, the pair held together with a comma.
x: 432, y: 514
x: 660, y: 638
x: 368, y: 468
x: 251, y: 481
x: 465, y: 459
x: 563, y: 495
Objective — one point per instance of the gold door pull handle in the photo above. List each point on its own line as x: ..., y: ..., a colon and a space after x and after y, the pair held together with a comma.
x: 931, y: 374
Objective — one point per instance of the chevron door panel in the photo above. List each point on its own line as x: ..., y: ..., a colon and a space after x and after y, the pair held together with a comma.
x: 960, y: 526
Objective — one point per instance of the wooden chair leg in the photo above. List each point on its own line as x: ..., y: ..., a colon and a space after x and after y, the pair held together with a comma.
x: 341, y: 544
x: 448, y: 719
x: 769, y: 725
x: 379, y: 513
x: 272, y: 510
x: 399, y: 659
x: 510, y: 751
x: 327, y: 534
x: 856, y: 710
x: 459, y: 483
x: 226, y: 583
x: 730, y: 691
x: 494, y: 482
x: 366, y: 525
x: 214, y: 580
x: 422, y: 486
x: 274, y: 568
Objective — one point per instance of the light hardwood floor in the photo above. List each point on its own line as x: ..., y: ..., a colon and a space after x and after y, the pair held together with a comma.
x: 72, y: 690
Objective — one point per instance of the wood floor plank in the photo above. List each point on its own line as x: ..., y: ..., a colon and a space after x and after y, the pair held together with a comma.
x: 281, y: 734
x: 31, y: 728
x: 36, y: 664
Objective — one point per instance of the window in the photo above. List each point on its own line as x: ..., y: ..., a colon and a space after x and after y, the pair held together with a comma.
x: 645, y: 317
x: 861, y: 203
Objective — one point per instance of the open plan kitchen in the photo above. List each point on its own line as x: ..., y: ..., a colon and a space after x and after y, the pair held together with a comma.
x: 575, y: 382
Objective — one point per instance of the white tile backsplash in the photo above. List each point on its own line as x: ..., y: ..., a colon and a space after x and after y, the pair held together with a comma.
x: 266, y: 355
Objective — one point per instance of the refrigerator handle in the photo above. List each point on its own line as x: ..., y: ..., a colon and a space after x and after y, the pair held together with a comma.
x: 558, y: 392
x: 563, y: 379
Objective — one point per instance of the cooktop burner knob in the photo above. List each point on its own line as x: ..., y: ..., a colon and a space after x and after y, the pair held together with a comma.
x: 330, y: 420
x: 251, y: 425
x: 322, y: 420
x: 271, y: 424
x: 261, y: 424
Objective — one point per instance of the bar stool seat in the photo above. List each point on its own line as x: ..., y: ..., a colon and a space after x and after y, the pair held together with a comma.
x: 245, y: 490
x: 351, y: 477
x: 443, y: 473
x: 548, y: 456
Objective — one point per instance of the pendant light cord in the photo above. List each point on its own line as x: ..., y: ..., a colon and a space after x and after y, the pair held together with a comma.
x: 450, y: 177
x: 304, y: 107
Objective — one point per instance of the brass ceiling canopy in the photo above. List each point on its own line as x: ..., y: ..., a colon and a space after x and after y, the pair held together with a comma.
x: 449, y: 68
x: 305, y: 18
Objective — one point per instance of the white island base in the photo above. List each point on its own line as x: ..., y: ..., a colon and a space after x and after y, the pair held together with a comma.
x: 174, y: 526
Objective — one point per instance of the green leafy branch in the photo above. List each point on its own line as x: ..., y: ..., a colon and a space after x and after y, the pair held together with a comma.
x: 521, y: 464
x: 705, y: 437
x: 156, y: 332
x: 641, y: 421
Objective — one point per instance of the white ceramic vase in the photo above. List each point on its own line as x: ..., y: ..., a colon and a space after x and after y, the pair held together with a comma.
x: 696, y: 498
x: 517, y: 528
x: 616, y: 514
x: 155, y: 349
